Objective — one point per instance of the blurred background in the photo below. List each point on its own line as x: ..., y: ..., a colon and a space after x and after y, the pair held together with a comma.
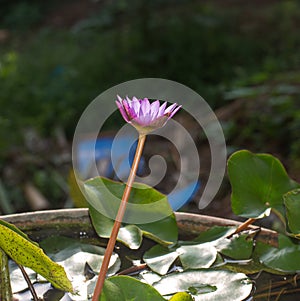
x: 242, y: 57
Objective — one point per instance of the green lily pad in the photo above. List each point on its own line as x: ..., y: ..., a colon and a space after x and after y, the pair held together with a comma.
x: 285, y: 258
x: 73, y: 256
x: 258, y: 183
x: 206, y: 285
x: 125, y: 288
x: 214, y: 233
x: 163, y: 231
x: 292, y: 203
x: 160, y: 258
x: 238, y: 247
x: 193, y: 256
x: 197, y: 256
x: 201, y: 252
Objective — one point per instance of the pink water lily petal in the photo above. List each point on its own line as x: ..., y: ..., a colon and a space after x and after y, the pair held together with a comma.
x: 170, y: 108
x: 145, y: 106
x: 145, y: 116
x: 155, y: 109
x: 162, y: 109
x: 175, y: 110
x: 122, y: 110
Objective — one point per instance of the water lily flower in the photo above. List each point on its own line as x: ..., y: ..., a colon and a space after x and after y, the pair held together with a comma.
x: 145, y: 116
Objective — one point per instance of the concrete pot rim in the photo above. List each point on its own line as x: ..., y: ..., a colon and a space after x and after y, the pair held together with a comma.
x: 38, y: 224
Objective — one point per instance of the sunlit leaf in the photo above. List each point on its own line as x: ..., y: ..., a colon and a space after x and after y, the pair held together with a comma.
x: 207, y: 285
x: 28, y: 254
x: 258, y: 183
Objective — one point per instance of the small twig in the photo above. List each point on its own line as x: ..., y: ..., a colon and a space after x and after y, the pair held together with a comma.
x: 280, y: 293
x: 133, y: 269
x: 277, y: 284
x: 245, y: 225
x: 30, y: 286
x: 286, y: 292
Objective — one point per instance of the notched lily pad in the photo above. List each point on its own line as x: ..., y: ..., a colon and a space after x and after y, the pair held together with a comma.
x: 163, y: 231
x: 207, y: 285
x: 201, y: 252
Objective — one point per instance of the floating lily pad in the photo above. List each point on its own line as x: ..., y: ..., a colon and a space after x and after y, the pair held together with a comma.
x: 238, y: 247
x: 160, y: 258
x: 74, y: 256
x: 125, y: 288
x: 197, y: 256
x: 201, y: 252
x: 285, y: 258
x: 207, y: 285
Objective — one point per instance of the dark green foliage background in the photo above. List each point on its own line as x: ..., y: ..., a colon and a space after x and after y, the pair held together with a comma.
x: 50, y: 71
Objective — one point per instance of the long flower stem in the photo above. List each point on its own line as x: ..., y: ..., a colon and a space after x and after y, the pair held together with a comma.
x: 119, y: 218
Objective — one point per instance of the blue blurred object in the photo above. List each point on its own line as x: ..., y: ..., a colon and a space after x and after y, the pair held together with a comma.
x: 118, y: 148
x: 183, y: 196
x: 103, y: 157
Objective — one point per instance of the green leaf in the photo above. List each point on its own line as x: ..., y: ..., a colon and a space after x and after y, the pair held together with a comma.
x: 28, y: 254
x: 198, y: 253
x: 163, y: 231
x: 105, y: 196
x: 129, y: 235
x: 258, y: 183
x: 238, y: 247
x: 214, y: 233
x: 206, y: 285
x: 125, y: 288
x: 285, y: 258
x: 292, y: 204
x: 160, y: 258
x: 197, y: 256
